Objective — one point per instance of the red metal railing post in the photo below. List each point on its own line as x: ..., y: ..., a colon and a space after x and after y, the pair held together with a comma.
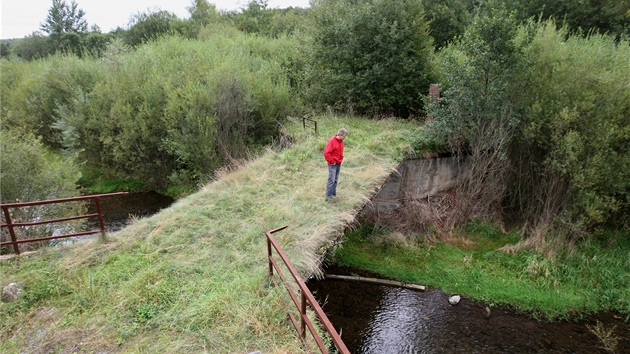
x: 303, y: 315
x: 12, y: 225
x: 7, y: 216
x: 269, y: 256
x: 97, y: 203
x: 307, y: 299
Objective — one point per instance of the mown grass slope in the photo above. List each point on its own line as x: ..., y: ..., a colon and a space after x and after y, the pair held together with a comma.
x: 193, y: 277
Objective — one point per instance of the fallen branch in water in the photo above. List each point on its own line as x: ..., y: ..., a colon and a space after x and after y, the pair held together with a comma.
x: 377, y: 281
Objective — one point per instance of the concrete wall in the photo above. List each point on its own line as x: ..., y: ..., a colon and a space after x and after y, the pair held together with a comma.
x: 417, y: 178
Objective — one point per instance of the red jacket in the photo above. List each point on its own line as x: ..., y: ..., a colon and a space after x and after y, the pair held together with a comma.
x: 333, y: 153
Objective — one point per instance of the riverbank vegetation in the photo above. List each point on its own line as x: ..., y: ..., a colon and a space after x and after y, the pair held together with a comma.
x: 539, y: 105
x: 592, y: 278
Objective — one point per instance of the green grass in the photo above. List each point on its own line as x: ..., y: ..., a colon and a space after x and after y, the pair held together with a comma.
x: 93, y: 180
x: 193, y: 278
x: 594, y: 277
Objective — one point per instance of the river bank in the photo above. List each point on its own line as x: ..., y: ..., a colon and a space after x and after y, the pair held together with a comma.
x: 591, y: 279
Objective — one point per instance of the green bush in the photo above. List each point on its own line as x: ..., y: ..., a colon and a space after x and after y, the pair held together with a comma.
x: 32, y: 92
x: 477, y: 115
x: 575, y: 130
x: 370, y: 55
x: 544, y: 116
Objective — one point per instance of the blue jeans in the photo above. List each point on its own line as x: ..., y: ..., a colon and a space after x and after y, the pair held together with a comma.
x: 333, y: 176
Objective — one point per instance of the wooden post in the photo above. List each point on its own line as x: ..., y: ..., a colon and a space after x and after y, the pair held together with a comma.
x: 377, y: 281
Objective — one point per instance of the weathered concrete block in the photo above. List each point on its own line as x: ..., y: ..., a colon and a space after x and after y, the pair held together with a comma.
x: 418, y: 178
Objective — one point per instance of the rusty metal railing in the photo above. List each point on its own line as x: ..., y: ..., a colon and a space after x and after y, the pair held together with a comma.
x: 306, y: 298
x: 12, y: 225
x: 304, y: 119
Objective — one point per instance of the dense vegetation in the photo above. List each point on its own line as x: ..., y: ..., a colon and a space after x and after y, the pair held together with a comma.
x: 545, y: 121
x: 540, y: 105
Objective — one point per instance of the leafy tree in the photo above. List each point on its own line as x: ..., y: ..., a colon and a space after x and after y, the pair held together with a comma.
x: 573, y: 151
x: 255, y: 18
x: 34, y: 46
x: 96, y: 42
x: 477, y: 113
x: 62, y: 19
x: 146, y: 26
x: 602, y: 16
x: 202, y: 13
x: 449, y: 19
x: 5, y: 50
x: 370, y: 55
x: 288, y: 21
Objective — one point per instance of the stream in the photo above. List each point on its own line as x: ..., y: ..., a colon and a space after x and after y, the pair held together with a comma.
x: 118, y: 210
x: 378, y: 319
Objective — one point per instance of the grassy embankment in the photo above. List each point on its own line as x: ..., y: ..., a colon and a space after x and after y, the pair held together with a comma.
x: 193, y: 277
x: 594, y: 277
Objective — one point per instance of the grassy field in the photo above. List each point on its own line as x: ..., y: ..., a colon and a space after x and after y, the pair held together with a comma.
x: 193, y: 277
x: 594, y: 277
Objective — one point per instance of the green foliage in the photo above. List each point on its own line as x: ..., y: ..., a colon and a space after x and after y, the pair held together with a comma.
x: 550, y: 111
x: 34, y: 46
x: 172, y: 110
x: 448, y: 19
x: 32, y: 92
x: 30, y: 173
x: 63, y: 24
x: 476, y: 74
x: 5, y: 49
x: 477, y: 115
x: 146, y: 26
x: 370, y: 55
x: 575, y: 133
x: 255, y: 18
x: 202, y: 13
x: 607, y: 16
x: 64, y: 18
x: 258, y: 18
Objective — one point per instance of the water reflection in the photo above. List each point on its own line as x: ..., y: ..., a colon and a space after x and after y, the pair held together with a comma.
x: 375, y: 319
x: 400, y: 322
x: 118, y: 210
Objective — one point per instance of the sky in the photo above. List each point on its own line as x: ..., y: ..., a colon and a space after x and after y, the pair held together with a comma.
x: 20, y: 18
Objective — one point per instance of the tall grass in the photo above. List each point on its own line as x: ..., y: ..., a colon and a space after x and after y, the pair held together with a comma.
x: 193, y: 277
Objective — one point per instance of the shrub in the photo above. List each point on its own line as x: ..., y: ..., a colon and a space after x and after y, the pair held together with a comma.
x: 370, y: 55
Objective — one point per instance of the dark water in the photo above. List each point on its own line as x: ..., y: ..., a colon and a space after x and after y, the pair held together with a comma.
x: 387, y: 320
x: 118, y: 210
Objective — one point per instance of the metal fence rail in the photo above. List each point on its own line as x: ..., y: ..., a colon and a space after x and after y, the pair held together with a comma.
x: 305, y: 119
x: 10, y: 225
x: 306, y: 299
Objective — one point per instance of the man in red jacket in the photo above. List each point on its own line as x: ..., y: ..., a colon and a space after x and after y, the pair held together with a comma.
x: 333, y: 153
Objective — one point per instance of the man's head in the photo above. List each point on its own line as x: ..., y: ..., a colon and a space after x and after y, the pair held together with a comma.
x: 342, y: 134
